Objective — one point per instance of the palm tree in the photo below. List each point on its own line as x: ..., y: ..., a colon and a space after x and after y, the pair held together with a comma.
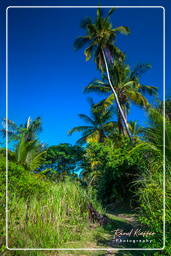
x: 29, y: 129
x: 101, y: 36
x: 99, y: 125
x: 127, y: 85
x: 29, y: 153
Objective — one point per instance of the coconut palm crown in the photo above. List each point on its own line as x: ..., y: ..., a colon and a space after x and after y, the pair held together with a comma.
x: 100, y: 35
x: 127, y: 86
x: 29, y: 129
x: 99, y: 127
x: 28, y: 151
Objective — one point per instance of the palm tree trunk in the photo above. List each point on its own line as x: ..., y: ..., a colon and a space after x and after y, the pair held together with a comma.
x: 125, y: 114
x: 116, y: 97
x: 120, y: 125
x: 102, y: 136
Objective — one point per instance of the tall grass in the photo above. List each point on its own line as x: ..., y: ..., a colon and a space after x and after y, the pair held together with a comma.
x: 61, y: 215
x: 150, y: 193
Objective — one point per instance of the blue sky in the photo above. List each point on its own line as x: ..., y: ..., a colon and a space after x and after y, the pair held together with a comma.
x: 46, y: 75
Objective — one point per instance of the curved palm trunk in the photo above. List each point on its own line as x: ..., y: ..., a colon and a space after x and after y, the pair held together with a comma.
x: 116, y: 97
x: 125, y: 114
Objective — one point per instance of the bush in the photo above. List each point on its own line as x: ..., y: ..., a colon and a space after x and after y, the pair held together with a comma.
x: 21, y: 185
x: 150, y: 194
x: 112, y: 170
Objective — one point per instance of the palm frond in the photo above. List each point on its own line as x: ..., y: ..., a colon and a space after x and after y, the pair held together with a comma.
x: 35, y: 160
x: 21, y: 150
x: 86, y: 21
x: 88, y: 52
x: 86, y: 118
x: 110, y: 125
x: 128, y: 84
x: 97, y: 86
x: 116, y: 52
x: 143, y: 146
x: 11, y: 129
x: 90, y: 102
x: 137, y: 98
x: 107, y: 101
x: 122, y: 29
x: 106, y: 114
x: 78, y: 129
x: 98, y: 59
x: 99, y: 13
x: 93, y: 137
x: 82, y: 140
x: 135, y: 128
x: 80, y: 42
x: 111, y: 11
x: 11, y: 125
x: 139, y: 70
x: 151, y: 90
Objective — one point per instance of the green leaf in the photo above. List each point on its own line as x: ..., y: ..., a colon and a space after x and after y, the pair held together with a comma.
x: 88, y: 52
x: 111, y: 11
x: 122, y: 29
x: 99, y: 12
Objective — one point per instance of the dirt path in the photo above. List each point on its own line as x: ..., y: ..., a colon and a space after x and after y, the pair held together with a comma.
x: 105, y: 236
x: 125, y: 223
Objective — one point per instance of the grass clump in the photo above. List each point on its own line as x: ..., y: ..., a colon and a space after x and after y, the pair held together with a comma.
x: 61, y: 215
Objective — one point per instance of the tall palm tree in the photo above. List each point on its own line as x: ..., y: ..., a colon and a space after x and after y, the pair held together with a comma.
x: 99, y: 125
x: 127, y: 85
x: 101, y: 36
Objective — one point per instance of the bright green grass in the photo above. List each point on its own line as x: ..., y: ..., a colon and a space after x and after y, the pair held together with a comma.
x: 60, y: 216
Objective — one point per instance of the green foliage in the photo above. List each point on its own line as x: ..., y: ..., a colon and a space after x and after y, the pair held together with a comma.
x: 100, y: 35
x: 61, y: 160
x: 155, y: 133
x: 21, y: 183
x: 36, y: 204
x: 127, y: 85
x: 167, y: 108
x: 61, y: 214
x: 30, y: 153
x: 150, y: 189
x: 112, y: 168
x: 29, y: 129
x: 100, y: 124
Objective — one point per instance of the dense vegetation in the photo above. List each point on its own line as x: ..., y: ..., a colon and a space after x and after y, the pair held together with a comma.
x: 115, y: 165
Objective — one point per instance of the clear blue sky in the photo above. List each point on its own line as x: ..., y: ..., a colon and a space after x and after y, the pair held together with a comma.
x: 46, y: 75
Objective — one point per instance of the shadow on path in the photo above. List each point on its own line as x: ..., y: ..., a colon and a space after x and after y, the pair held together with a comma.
x: 120, y: 233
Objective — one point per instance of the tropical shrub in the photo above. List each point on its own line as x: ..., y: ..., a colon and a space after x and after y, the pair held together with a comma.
x: 111, y: 169
x: 151, y: 186
x: 61, y: 160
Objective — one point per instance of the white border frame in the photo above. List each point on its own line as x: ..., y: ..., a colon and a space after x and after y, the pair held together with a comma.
x: 85, y: 249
